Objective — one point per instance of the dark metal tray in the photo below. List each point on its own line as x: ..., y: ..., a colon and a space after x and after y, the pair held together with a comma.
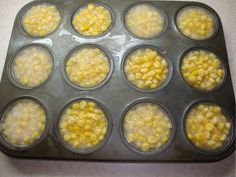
x: 116, y: 94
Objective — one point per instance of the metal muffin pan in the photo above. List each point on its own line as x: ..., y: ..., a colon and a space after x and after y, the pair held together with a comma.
x: 115, y: 95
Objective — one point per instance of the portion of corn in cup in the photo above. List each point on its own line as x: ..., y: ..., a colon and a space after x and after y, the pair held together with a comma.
x: 83, y: 124
x: 146, y: 68
x: 32, y: 66
x: 92, y: 20
x: 207, y: 127
x: 145, y: 21
x: 196, y: 22
x: 87, y: 67
x: 147, y: 127
x: 41, y: 19
x: 23, y: 123
x: 202, y: 70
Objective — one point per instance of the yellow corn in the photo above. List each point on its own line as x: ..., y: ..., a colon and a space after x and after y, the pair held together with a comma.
x: 32, y: 66
x: 41, y: 19
x: 144, y: 21
x: 146, y: 69
x: 195, y: 23
x: 205, y: 79
x: 86, y: 128
x: 149, y: 130
x: 90, y: 67
x: 210, y: 133
x: 21, y: 123
x: 92, y: 20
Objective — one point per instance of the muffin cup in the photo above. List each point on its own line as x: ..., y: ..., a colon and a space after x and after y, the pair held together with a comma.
x: 205, y: 8
x: 155, y: 151
x: 9, y: 105
x: 162, y: 53
x: 222, y: 65
x: 11, y: 63
x: 109, y: 74
x: 230, y: 137
x: 99, y: 35
x: 85, y: 150
x: 30, y: 5
x: 160, y: 10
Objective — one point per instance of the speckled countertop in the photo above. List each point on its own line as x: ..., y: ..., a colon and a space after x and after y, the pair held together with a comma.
x: 10, y: 167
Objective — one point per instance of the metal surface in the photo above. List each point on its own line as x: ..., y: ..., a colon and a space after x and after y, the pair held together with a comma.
x: 116, y: 94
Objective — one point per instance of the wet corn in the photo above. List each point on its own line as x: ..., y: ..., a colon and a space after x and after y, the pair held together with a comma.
x: 147, y: 127
x: 92, y: 20
x: 23, y: 123
x: 195, y: 23
x: 207, y: 127
x: 144, y: 21
x: 32, y: 66
x: 202, y: 70
x: 87, y: 67
x: 83, y: 124
x: 146, y: 69
x: 41, y: 19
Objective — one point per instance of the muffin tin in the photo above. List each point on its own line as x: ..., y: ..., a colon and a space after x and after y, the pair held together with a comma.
x: 115, y: 96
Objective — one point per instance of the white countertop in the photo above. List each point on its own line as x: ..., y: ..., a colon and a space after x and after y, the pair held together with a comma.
x: 10, y: 167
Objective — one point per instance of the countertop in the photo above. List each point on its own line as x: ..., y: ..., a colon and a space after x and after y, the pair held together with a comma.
x: 10, y: 167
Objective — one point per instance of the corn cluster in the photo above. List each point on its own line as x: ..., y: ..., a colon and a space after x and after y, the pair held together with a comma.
x: 41, y: 20
x: 83, y: 125
x: 146, y: 68
x: 87, y: 67
x: 147, y: 127
x: 195, y: 23
x: 32, y: 66
x: 144, y: 21
x: 207, y: 127
x: 92, y: 20
x: 202, y: 70
x: 23, y: 123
